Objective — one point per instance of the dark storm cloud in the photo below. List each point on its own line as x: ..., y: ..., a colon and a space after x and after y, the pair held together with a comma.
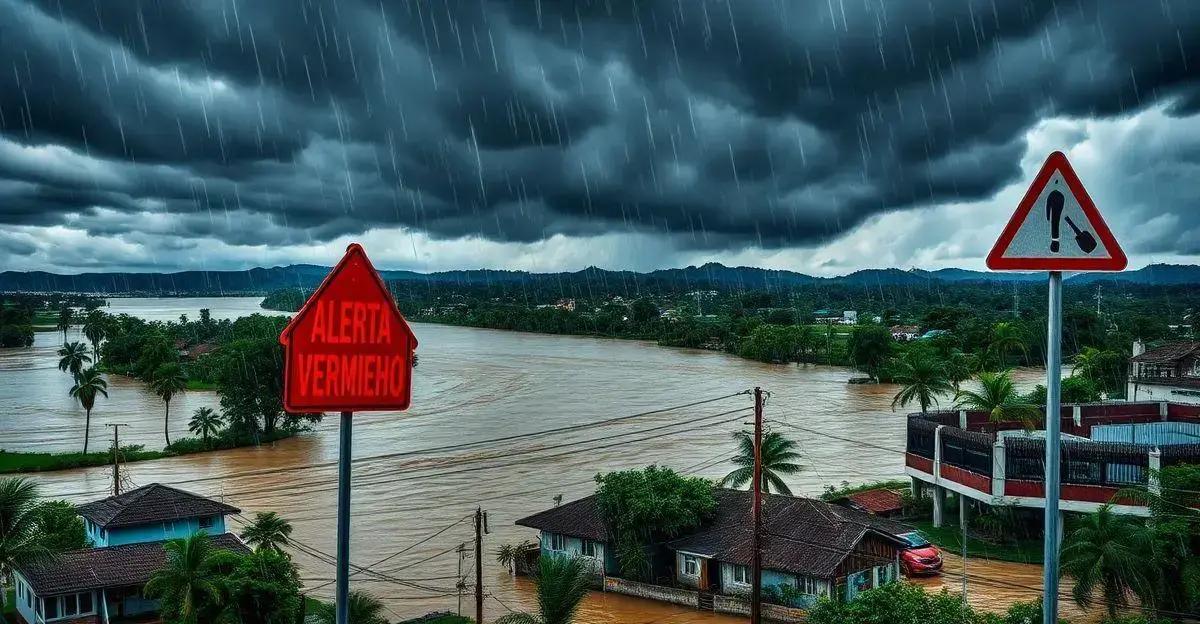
x: 719, y: 123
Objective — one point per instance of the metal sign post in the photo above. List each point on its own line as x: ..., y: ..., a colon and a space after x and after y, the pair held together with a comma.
x: 348, y: 349
x: 342, y: 595
x: 1053, y: 451
x: 1033, y: 240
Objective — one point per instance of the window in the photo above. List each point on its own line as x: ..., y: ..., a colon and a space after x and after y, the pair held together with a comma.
x: 70, y: 605
x: 691, y: 565
x: 809, y: 586
x: 206, y: 523
x: 741, y: 574
x: 590, y: 549
x: 85, y: 602
x: 51, y: 608
x: 558, y: 542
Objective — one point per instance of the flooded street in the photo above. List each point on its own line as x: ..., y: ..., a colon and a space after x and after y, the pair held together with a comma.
x: 473, y: 386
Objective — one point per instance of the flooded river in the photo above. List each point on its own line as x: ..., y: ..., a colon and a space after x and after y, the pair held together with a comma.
x: 476, y: 385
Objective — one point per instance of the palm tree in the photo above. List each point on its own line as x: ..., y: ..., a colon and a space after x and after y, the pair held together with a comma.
x: 999, y: 398
x: 922, y: 379
x: 1006, y: 338
x: 168, y: 380
x: 72, y: 357
x: 95, y: 329
x: 562, y: 583
x: 19, y: 535
x: 778, y: 455
x: 1108, y: 551
x: 364, y: 609
x: 205, y: 423
x: 958, y: 368
x: 88, y: 384
x: 268, y: 531
x: 66, y: 317
x: 189, y: 586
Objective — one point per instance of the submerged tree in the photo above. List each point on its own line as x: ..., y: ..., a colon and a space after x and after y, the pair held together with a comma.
x: 72, y: 356
x: 922, y: 379
x: 205, y: 423
x: 562, y: 583
x: 268, y: 531
x: 168, y: 380
x: 778, y: 458
x: 88, y: 384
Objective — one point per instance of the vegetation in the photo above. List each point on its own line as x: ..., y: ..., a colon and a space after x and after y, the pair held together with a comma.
x: 72, y: 357
x: 562, y: 583
x: 167, y: 381
x: 904, y: 603
x: 364, y: 609
x: 88, y: 385
x: 205, y: 423
x: 1106, y: 554
x: 644, y: 506
x: 30, y: 530
x: 779, y: 455
x: 999, y: 398
x: 268, y: 531
x: 922, y: 377
x: 285, y: 300
x: 202, y: 583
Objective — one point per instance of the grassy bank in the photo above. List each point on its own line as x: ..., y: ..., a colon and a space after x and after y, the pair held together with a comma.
x: 14, y: 462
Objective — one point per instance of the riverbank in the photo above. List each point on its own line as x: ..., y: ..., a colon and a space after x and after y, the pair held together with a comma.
x: 27, y: 462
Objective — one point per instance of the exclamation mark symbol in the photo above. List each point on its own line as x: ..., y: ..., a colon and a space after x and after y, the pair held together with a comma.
x: 1054, y: 208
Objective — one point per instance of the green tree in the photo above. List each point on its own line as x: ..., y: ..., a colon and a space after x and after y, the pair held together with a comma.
x: 66, y: 318
x: 268, y: 531
x: 189, y: 588
x: 642, y: 506
x: 364, y: 609
x: 95, y: 325
x: 922, y: 379
x: 1105, y: 369
x: 870, y: 346
x: 72, y: 356
x: 643, y: 311
x: 778, y: 458
x: 20, y: 537
x: 1106, y: 551
x: 1006, y: 338
x: 168, y: 380
x: 562, y: 583
x: 60, y: 527
x: 999, y: 398
x: 205, y: 423
x: 88, y: 385
x: 263, y: 588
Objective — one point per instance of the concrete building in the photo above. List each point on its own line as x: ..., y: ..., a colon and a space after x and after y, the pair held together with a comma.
x: 1170, y: 372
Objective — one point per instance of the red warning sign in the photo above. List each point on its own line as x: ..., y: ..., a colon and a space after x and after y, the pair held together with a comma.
x: 349, y: 348
x: 1056, y: 228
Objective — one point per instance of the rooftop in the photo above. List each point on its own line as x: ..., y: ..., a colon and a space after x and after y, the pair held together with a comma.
x: 151, y: 504
x: 1169, y: 353
x: 877, y: 501
x: 112, y: 566
x: 805, y: 536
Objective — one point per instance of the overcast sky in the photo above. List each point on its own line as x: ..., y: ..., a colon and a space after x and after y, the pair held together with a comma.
x: 820, y: 136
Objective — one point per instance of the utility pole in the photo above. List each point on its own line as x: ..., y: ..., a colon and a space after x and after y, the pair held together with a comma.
x: 479, y: 565
x: 462, y: 552
x: 756, y: 569
x: 962, y: 520
x: 116, y: 449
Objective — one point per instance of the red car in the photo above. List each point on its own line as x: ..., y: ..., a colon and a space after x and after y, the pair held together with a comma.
x: 920, y: 557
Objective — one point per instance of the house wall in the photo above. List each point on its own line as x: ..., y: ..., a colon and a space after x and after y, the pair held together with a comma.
x: 25, y: 598
x: 1142, y: 391
x: 673, y: 595
x: 573, y: 547
x: 162, y: 531
x: 681, y: 575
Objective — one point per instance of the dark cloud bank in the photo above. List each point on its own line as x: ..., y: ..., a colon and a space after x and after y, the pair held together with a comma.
x: 720, y: 124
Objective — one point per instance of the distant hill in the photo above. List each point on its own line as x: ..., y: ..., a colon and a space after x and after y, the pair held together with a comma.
x: 711, y: 276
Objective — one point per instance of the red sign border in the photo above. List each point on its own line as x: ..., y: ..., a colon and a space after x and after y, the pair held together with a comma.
x: 1057, y: 161
x: 352, y: 250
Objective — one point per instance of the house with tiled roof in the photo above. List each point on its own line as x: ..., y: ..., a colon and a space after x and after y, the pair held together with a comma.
x: 1168, y: 372
x: 810, y: 547
x: 103, y: 584
x: 878, y: 501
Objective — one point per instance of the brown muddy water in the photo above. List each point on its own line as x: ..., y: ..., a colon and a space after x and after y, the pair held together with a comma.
x: 476, y: 385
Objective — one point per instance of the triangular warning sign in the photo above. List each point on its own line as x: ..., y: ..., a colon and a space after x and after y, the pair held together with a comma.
x: 1056, y: 228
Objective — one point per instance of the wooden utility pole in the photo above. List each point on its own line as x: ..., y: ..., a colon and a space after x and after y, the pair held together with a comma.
x: 462, y: 550
x: 116, y: 449
x: 479, y: 565
x: 756, y: 569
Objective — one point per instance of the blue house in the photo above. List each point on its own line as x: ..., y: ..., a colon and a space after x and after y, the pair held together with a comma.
x: 813, y: 548
x: 104, y: 583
